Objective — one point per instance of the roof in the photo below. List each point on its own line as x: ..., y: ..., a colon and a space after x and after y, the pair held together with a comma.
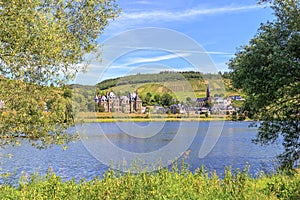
x: 103, y: 98
x: 200, y: 99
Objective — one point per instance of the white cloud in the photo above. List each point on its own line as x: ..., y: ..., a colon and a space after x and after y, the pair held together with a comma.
x: 134, y: 19
x: 205, y: 52
x: 181, y: 15
x: 218, y: 53
x: 137, y: 60
x: 142, y: 2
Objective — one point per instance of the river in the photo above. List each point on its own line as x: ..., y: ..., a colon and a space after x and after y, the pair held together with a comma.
x: 166, y: 141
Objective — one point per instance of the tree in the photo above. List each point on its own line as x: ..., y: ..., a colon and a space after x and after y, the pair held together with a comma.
x: 42, y: 43
x: 148, y: 99
x: 41, y: 40
x: 38, y: 113
x: 166, y: 100
x: 67, y: 93
x: 92, y: 106
x: 157, y: 98
x: 268, y: 71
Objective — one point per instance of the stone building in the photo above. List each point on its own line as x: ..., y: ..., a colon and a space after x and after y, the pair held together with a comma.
x: 125, y: 104
x: 203, y: 102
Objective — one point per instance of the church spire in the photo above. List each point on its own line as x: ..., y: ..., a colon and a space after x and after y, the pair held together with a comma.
x: 208, y: 92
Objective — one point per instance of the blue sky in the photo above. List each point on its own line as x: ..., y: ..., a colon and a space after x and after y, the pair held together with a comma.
x: 219, y: 27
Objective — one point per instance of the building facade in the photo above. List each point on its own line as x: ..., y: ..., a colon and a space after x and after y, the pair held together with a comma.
x: 204, y: 102
x: 123, y: 104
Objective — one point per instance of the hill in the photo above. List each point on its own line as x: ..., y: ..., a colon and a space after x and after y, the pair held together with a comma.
x: 178, y: 84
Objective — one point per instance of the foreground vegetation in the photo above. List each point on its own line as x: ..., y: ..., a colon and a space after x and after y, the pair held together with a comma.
x: 163, y: 184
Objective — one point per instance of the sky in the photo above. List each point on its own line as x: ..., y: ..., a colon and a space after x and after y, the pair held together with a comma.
x: 151, y: 36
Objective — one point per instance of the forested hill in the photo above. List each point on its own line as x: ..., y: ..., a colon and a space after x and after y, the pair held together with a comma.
x: 164, y: 76
x: 168, y: 81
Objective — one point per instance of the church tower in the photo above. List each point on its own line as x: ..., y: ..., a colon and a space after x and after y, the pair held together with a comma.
x: 208, y: 92
x: 208, y: 97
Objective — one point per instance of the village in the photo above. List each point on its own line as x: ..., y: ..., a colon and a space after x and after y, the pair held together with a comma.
x: 132, y: 103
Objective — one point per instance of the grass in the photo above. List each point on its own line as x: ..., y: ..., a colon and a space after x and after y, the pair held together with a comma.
x: 162, y: 184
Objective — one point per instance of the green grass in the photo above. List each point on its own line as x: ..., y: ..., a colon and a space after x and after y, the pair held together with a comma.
x: 162, y: 184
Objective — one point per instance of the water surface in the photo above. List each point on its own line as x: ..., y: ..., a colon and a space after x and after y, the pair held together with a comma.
x: 233, y: 148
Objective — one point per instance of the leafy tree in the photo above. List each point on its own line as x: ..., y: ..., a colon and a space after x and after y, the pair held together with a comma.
x: 41, y: 40
x: 34, y: 112
x: 147, y: 99
x: 67, y: 93
x: 44, y: 42
x: 166, y: 100
x: 157, y: 98
x: 268, y: 71
x: 92, y: 106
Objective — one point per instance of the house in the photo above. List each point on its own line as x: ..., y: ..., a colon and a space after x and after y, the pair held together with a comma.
x: 203, y: 110
x: 221, y: 102
x: 175, y: 109
x: 200, y: 102
x: 237, y: 98
x: 126, y: 104
x: 159, y: 110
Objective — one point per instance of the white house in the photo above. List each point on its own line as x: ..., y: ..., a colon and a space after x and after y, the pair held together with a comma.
x: 221, y: 102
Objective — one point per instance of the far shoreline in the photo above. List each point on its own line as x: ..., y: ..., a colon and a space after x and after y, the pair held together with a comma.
x: 112, y: 118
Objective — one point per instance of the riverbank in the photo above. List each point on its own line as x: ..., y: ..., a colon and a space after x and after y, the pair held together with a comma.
x: 90, y: 117
x: 163, y: 184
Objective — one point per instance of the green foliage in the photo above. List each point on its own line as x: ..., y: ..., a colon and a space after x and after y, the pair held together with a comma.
x: 147, y: 99
x: 268, y: 71
x: 166, y: 100
x: 162, y: 184
x: 34, y: 112
x: 157, y: 99
x: 92, y: 106
x: 42, y: 42
x: 67, y: 93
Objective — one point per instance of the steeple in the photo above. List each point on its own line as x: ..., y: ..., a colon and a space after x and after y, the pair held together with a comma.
x: 208, y: 92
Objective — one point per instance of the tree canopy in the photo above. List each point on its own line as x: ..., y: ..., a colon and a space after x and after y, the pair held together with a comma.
x: 44, y: 42
x: 268, y: 71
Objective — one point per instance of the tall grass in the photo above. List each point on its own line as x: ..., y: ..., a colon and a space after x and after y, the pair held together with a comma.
x: 162, y: 184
